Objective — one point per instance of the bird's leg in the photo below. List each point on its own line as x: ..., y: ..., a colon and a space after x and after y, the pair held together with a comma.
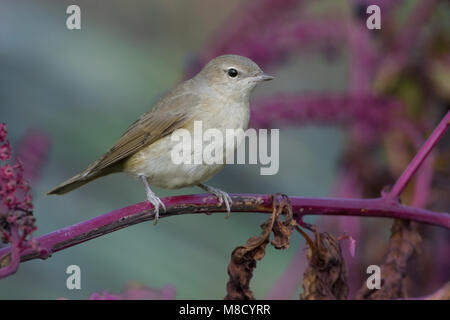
x: 222, y: 196
x: 153, y: 199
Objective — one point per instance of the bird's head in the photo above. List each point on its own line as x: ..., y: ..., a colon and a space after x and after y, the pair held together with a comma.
x: 232, y: 75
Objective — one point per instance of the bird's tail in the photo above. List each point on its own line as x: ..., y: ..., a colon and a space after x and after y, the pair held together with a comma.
x: 73, y: 183
x: 82, y: 178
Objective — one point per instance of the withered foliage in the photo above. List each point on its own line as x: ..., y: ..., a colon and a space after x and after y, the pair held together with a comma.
x: 404, y: 243
x: 325, y: 277
x: 243, y: 258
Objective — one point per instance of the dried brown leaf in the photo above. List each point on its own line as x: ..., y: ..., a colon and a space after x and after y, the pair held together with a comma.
x: 282, y: 230
x: 325, y: 277
x: 404, y: 243
x: 243, y: 258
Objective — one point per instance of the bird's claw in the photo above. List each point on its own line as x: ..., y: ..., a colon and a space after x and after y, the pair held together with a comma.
x: 223, y: 197
x: 157, y: 204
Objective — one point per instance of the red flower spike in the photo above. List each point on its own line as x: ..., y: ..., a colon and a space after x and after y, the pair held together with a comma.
x: 5, y: 151
x: 3, y: 132
x: 17, y: 225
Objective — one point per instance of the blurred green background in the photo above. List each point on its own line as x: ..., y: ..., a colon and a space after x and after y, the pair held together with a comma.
x: 85, y: 87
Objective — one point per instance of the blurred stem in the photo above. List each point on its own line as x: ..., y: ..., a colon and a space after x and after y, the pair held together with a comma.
x: 419, y: 158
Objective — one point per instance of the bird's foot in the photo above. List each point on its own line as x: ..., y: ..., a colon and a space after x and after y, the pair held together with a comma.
x: 153, y: 199
x: 222, y: 197
x: 157, y: 204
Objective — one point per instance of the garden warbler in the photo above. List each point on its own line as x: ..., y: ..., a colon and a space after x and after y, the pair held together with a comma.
x: 218, y: 96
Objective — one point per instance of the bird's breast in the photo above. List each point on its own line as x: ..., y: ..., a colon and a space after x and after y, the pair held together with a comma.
x: 156, y: 160
x: 229, y: 115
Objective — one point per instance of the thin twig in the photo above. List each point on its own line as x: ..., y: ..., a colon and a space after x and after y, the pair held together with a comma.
x: 419, y: 158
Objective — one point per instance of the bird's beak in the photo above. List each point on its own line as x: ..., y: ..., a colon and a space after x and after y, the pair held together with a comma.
x: 264, y: 77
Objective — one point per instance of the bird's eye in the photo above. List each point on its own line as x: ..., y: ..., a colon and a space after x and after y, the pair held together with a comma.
x: 232, y: 72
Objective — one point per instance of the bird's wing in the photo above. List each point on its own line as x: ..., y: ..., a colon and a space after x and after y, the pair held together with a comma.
x: 170, y: 113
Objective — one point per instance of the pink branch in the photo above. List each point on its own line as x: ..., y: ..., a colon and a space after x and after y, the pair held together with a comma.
x: 425, y: 175
x: 372, y: 111
x: 206, y: 204
x: 406, y: 40
x: 362, y: 62
x: 269, y: 45
x: 423, y: 183
x: 419, y: 158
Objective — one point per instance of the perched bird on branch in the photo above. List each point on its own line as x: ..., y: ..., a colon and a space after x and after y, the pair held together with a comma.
x: 218, y: 97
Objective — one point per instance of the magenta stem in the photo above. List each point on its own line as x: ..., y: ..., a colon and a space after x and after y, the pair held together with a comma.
x: 419, y: 158
x: 207, y: 204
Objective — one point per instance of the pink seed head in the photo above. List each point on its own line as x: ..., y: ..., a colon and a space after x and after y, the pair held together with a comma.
x: 3, y: 132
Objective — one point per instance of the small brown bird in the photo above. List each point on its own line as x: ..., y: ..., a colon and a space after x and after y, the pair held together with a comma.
x: 218, y: 96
